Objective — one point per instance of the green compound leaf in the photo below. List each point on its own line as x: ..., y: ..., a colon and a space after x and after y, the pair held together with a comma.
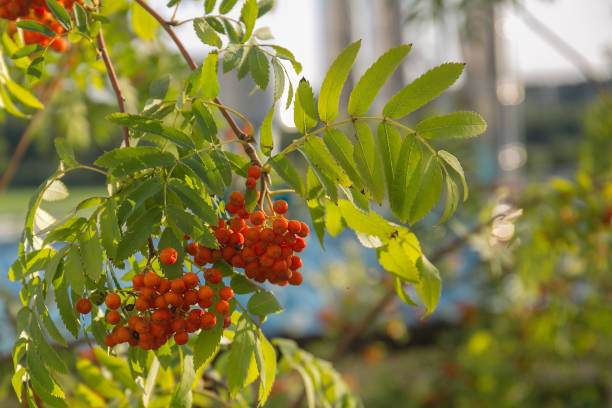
x: 206, y: 33
x: 259, y: 67
x: 334, y: 80
x: 430, y: 285
x: 304, y: 111
x: 422, y: 90
x: 240, y: 357
x: 406, y: 179
x: 369, y: 162
x: 458, y: 125
x: 454, y: 163
x: 248, y: 15
x: 154, y: 126
x: 429, y: 190
x: 374, y: 78
x: 285, y: 169
x: 263, y: 303
x: 209, y: 82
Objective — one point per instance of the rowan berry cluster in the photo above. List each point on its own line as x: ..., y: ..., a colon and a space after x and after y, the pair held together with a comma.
x: 37, y: 10
x: 156, y: 308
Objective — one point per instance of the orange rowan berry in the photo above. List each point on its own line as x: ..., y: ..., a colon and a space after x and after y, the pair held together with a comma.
x: 295, y: 279
x: 236, y: 239
x: 173, y: 299
x: 164, y: 286
x: 236, y: 224
x: 178, y: 285
x: 208, y: 320
x: 236, y: 198
x: 279, y: 226
x: 149, y: 294
x: 160, y: 302
x: 204, y: 253
x: 151, y: 279
x: 237, y: 261
x: 304, y: 230
x: 123, y: 334
x: 294, y: 226
x: 273, y: 251
x: 134, y: 321
x: 213, y: 276
x: 295, y: 262
x: 112, y: 301
x: 190, y: 297
x: 158, y: 329
x: 195, y: 316
x: 299, y: 245
x: 254, y: 171
x: 280, y: 207
x: 113, y: 317
x: 109, y: 340
x: 83, y: 306
x: 251, y: 183
x: 192, y: 248
x: 138, y: 281
x: 191, y: 280
x: 177, y: 325
x: 222, y: 307
x: 258, y: 217
x: 226, y: 293
x: 190, y: 326
x: 205, y: 303
x: 205, y: 292
x: 168, y: 256
x: 267, y: 235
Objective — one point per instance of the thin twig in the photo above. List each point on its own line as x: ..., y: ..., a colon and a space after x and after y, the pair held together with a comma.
x: 114, y: 82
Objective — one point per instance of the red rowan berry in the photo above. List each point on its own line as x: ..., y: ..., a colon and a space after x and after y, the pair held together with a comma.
x: 190, y: 297
x: 204, y: 253
x: 236, y: 224
x: 205, y: 292
x: 123, y: 334
x: 294, y: 226
x: 109, y: 340
x: 226, y: 293
x: 113, y: 317
x: 236, y: 239
x: 186, y: 237
x: 267, y: 235
x: 190, y: 326
x: 173, y: 299
x: 280, y: 207
x: 83, y: 306
x: 178, y: 285
x: 296, y: 278
x: 141, y: 304
x: 215, y: 255
x: 222, y: 307
x: 304, y: 230
x: 273, y: 251
x: 251, y: 183
x: 181, y: 338
x: 299, y: 245
x: 208, y: 320
x: 195, y: 316
x: 227, y: 322
x: 254, y: 172
x: 237, y: 261
x: 205, y: 303
x: 295, y: 262
x: 158, y: 329
x: 168, y: 256
x: 258, y: 217
x: 160, y: 302
x: 192, y: 248
x: 236, y: 198
x: 177, y: 325
x: 213, y: 276
x: 228, y: 252
x: 138, y: 281
x: 148, y: 294
x: 279, y: 226
x: 151, y: 279
x: 191, y: 280
x: 232, y: 208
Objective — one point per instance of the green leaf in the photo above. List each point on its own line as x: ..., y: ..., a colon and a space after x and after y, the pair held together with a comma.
x: 26, y: 51
x: 159, y: 88
x: 248, y: 15
x: 334, y: 80
x: 422, y: 90
x: 285, y: 169
x: 369, y: 162
x: 66, y: 309
x: 45, y: 318
x: 109, y: 228
x: 30, y: 262
x: 35, y: 26
x: 430, y: 286
x: 289, y: 96
x: 60, y: 13
x: 154, y: 126
x: 265, y: 139
x: 279, y: 79
x: 93, y: 377
x: 232, y: 57
x: 240, y: 356
x: 128, y: 160
x: 389, y: 143
x: 51, y: 358
x: 73, y: 270
x: 9, y: 106
x: 226, y: 6
x: 80, y: 17
x: 206, y: 33
x: 242, y: 285
x: 183, y: 395
x: 240, y: 165
x: 304, y: 112
x: 259, y: 67
x: 192, y: 226
x: 207, y: 345
x: 215, y: 24
x: 169, y: 240
x: 267, y: 368
x: 452, y: 161
x: 232, y: 35
x: 342, y: 150
x: 313, y: 185
x: 138, y: 233
x: 374, y: 78
x: 429, y: 190
x: 204, y: 167
x: 325, y: 181
x: 193, y: 200
x: 22, y: 94
x: 264, y: 7
x: 209, y: 5
x: 144, y: 25
x: 452, y: 198
x: 205, y: 121
x: 317, y: 213
x: 118, y: 367
x: 320, y: 157
x: 222, y: 165
x: 334, y: 222
x: 401, y: 293
x: 400, y: 256
x: 210, y: 85
x: 406, y: 180
x: 40, y: 375
x: 458, y: 125
x: 65, y: 152
x: 368, y: 224
x: 91, y: 252
x: 263, y: 303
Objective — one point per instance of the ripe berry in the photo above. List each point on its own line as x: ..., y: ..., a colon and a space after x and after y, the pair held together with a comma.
x: 296, y: 262
x: 279, y: 226
x: 178, y: 325
x: 254, y: 172
x: 141, y: 304
x: 151, y: 280
x: 160, y: 302
x: 192, y: 248
x: 181, y: 338
x: 112, y: 301
x: 236, y: 224
x: 222, y: 307
x: 173, y: 299
x: 168, y: 256
x: 227, y: 322
x: 186, y: 237
x: 295, y: 279
x: 205, y: 292
x: 138, y: 281
x: 109, y: 340
x: 251, y: 183
x: 178, y: 285
x: 195, y: 316
x: 280, y: 207
x: 191, y: 280
x: 294, y: 226
x: 236, y: 198
x: 208, y: 320
x: 83, y: 306
x: 258, y: 217
x: 226, y: 293
x: 113, y: 317
x: 304, y: 230
x: 190, y: 297
x: 213, y: 276
x: 164, y: 286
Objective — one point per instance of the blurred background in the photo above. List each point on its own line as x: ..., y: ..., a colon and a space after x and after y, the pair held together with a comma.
x: 525, y: 317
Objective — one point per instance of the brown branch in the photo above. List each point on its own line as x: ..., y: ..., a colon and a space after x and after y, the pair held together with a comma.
x: 248, y: 147
x: 114, y: 82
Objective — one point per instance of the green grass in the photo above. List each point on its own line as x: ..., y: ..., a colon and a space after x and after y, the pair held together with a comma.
x: 14, y: 202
